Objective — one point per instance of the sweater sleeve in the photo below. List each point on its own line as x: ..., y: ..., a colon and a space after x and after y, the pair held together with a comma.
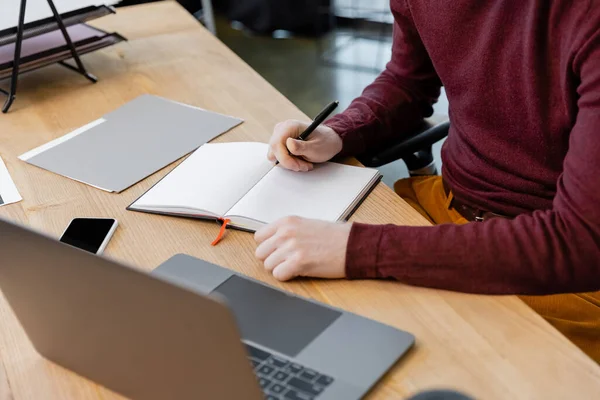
x: 551, y: 251
x: 398, y: 100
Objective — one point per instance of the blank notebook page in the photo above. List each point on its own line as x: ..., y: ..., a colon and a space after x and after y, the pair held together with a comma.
x: 212, y: 179
x: 324, y: 193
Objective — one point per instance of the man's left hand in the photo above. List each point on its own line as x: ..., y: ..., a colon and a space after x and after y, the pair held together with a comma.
x: 294, y: 246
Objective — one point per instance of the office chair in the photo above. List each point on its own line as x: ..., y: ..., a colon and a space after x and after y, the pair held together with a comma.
x: 440, y: 395
x: 414, y: 149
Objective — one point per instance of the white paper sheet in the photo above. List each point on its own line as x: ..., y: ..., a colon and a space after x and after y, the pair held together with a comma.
x: 8, y: 191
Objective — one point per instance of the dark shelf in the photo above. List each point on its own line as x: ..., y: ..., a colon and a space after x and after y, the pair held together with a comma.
x: 39, y: 55
x: 62, y: 53
x: 36, y: 28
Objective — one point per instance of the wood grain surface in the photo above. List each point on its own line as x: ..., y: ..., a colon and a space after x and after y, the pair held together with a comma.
x: 490, y: 347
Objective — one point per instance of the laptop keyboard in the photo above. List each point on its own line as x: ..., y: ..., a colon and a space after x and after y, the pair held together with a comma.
x: 282, y: 379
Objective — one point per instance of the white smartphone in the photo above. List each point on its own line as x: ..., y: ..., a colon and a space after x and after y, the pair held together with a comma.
x: 90, y: 234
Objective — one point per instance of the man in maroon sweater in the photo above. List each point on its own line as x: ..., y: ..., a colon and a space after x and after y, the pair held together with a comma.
x: 523, y: 82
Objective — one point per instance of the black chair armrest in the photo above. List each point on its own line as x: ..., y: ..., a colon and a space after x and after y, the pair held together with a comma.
x: 424, y: 138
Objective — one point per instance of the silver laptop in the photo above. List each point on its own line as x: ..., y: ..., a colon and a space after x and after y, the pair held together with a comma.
x: 191, y: 330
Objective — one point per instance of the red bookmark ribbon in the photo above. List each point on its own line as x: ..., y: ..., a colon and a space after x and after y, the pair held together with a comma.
x: 221, y: 232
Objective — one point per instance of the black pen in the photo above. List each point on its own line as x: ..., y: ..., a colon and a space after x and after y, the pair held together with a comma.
x: 319, y: 119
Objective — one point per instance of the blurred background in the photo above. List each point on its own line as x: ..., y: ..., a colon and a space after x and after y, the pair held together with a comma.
x: 312, y: 51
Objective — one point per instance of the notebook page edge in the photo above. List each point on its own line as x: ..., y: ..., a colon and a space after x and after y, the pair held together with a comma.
x: 365, y: 193
x: 175, y: 210
x: 245, y: 223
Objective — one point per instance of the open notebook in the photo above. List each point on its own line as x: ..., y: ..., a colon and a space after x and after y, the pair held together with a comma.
x: 235, y: 181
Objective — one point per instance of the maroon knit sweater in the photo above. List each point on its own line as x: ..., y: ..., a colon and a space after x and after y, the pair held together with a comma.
x: 523, y: 82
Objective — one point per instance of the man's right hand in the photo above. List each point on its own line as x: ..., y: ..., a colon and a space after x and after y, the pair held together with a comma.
x: 322, y: 145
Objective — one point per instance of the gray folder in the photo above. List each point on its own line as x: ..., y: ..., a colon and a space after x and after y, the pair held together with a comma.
x: 132, y: 142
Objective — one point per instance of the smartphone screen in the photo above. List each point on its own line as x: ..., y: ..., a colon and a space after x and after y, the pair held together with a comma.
x: 89, y: 234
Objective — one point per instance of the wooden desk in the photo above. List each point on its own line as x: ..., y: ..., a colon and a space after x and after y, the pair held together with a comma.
x: 490, y: 347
